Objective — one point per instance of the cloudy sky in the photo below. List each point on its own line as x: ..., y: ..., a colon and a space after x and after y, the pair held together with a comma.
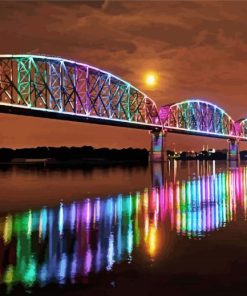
x: 198, y: 49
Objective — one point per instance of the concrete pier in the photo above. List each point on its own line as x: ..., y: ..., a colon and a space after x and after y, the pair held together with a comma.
x: 158, y: 153
x: 233, y: 150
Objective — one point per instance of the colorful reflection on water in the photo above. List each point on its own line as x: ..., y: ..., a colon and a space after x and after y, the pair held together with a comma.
x: 66, y: 243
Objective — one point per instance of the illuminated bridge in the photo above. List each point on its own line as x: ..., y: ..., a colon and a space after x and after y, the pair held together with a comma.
x: 57, y: 88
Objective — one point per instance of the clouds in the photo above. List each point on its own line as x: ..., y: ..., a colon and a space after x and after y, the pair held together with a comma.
x: 198, y: 48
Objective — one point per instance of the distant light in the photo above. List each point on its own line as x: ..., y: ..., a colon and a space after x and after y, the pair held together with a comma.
x: 151, y: 79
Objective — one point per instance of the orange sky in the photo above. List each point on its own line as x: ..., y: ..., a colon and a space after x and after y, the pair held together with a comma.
x: 198, y: 49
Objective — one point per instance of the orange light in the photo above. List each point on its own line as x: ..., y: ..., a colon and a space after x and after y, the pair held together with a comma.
x: 151, y: 79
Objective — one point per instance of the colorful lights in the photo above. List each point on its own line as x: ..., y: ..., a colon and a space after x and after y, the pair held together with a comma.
x: 38, y: 84
x: 93, y: 235
x: 199, y: 117
x: 53, y: 80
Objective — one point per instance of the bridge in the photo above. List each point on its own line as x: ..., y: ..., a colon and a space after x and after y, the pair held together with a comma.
x: 52, y: 87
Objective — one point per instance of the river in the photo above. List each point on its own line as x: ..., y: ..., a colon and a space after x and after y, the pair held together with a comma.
x: 175, y: 228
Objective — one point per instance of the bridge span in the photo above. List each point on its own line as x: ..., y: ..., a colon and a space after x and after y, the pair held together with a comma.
x: 52, y: 87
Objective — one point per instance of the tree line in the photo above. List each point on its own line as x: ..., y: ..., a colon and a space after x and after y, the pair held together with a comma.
x: 69, y: 153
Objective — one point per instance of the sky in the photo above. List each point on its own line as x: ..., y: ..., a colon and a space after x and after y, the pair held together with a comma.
x: 197, y: 48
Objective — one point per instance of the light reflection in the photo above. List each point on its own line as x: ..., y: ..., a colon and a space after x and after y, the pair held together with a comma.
x: 7, y: 233
x: 72, y: 241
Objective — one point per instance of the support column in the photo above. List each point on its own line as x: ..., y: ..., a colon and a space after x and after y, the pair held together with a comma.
x: 233, y: 150
x: 157, y: 152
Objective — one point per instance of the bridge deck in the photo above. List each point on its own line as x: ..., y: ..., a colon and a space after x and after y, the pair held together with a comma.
x: 45, y: 113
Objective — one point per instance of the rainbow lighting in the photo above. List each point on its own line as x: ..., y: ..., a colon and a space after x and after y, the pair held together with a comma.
x: 54, y: 87
x: 200, y: 117
x: 95, y: 234
x: 64, y: 89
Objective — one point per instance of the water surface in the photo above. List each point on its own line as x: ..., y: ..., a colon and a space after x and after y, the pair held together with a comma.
x: 174, y: 228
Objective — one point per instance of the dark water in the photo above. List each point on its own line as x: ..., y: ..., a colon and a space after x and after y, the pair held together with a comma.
x: 178, y: 228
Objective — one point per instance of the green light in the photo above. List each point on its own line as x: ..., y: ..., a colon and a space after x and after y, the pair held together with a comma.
x: 30, y: 273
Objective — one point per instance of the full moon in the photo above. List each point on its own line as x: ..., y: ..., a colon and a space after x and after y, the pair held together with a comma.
x: 150, y: 79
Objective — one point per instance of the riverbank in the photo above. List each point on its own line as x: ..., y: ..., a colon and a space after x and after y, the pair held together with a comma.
x: 72, y: 156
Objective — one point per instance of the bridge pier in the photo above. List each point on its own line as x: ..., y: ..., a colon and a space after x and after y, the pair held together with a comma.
x: 233, y: 150
x: 157, y: 152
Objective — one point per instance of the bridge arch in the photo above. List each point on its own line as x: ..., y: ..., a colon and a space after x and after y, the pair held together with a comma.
x: 54, y: 87
x: 59, y: 85
x: 241, y: 128
x: 196, y: 116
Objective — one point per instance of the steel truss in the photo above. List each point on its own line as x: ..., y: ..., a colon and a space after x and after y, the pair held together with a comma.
x: 242, y: 127
x: 54, y: 84
x: 64, y: 89
x: 198, y: 117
